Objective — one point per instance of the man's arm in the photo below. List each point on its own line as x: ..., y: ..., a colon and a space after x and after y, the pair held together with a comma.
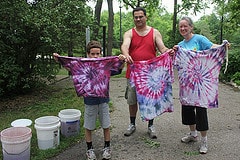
x: 159, y: 42
x: 127, y: 37
x: 160, y: 45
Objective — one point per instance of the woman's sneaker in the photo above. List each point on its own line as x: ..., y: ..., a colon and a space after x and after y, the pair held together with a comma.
x: 90, y: 154
x: 106, y: 153
x: 189, y: 138
x: 203, y: 147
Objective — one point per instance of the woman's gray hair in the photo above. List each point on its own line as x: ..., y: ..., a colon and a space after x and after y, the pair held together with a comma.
x: 189, y: 20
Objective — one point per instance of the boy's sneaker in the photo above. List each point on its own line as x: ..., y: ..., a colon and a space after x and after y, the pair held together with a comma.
x: 152, y: 132
x: 90, y: 154
x: 106, y: 153
x: 203, y: 147
x: 189, y: 138
x: 131, y: 129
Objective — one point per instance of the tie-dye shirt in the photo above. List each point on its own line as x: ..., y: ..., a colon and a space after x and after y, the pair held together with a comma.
x: 153, y: 81
x: 91, y: 75
x: 198, y: 73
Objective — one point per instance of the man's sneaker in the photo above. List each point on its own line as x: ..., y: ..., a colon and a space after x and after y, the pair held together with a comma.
x: 203, y: 147
x: 189, y: 138
x: 152, y: 132
x: 90, y: 154
x: 130, y: 130
x: 106, y: 153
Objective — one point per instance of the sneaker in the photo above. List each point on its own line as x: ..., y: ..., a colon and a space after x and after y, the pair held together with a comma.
x: 152, y: 132
x: 106, y: 153
x: 131, y: 129
x: 90, y: 154
x: 189, y: 138
x: 203, y: 147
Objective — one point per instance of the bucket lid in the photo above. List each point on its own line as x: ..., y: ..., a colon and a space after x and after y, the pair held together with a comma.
x: 21, y: 123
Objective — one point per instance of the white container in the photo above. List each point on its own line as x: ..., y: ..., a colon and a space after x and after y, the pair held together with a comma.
x: 21, y: 123
x: 48, y: 131
x: 70, y: 122
x: 16, y: 143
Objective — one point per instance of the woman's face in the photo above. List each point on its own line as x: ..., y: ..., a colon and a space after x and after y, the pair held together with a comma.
x: 184, y: 28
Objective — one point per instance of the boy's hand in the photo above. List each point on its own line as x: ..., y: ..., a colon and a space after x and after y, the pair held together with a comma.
x: 55, y: 56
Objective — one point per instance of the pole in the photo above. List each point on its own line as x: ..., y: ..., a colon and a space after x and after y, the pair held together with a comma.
x: 104, y: 41
x: 120, y: 12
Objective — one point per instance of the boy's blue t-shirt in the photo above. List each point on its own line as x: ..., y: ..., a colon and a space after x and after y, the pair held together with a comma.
x: 196, y: 43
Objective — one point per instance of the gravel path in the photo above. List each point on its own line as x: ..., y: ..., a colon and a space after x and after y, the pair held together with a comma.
x: 223, y: 136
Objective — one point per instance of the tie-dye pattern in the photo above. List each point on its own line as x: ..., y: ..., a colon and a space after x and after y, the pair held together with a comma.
x: 91, y: 75
x: 198, y: 76
x: 153, y: 81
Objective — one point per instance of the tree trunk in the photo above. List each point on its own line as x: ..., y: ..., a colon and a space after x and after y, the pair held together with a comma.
x: 110, y: 28
x: 97, y: 15
x: 174, y: 21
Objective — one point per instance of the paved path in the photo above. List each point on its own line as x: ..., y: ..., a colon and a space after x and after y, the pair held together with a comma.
x: 223, y: 136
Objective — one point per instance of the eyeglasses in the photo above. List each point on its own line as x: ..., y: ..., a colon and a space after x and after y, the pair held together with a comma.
x: 136, y: 17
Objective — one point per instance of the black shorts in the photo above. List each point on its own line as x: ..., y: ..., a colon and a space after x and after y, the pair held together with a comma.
x: 190, y: 117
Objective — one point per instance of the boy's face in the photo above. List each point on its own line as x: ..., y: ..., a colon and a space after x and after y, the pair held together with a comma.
x: 94, y: 53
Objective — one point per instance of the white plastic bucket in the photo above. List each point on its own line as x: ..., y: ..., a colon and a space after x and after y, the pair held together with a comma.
x: 16, y: 143
x: 47, y: 128
x: 70, y: 122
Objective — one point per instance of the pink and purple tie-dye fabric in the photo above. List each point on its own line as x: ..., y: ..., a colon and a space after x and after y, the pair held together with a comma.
x: 198, y: 76
x: 153, y: 81
x: 91, y: 75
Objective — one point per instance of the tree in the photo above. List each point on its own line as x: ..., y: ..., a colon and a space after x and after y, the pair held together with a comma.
x: 97, y: 17
x: 186, y: 6
x: 110, y: 27
x: 30, y: 33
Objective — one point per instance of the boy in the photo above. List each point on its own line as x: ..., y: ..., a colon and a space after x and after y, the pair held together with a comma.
x: 96, y: 106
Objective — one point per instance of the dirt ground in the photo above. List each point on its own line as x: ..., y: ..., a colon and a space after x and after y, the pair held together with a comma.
x: 223, y: 136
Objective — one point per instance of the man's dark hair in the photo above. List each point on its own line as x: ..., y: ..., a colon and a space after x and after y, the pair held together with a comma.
x: 139, y: 9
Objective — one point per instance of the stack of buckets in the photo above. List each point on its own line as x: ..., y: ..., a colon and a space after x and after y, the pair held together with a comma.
x: 16, y: 143
x: 16, y: 140
x: 48, y: 127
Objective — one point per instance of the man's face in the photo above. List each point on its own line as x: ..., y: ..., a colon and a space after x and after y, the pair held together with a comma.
x: 94, y: 53
x: 139, y: 18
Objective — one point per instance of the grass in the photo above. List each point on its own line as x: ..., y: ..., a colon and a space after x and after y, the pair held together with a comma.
x: 151, y: 143
x: 53, y: 100
x: 59, y: 99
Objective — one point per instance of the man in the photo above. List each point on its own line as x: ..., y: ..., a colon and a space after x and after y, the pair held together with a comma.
x: 140, y: 43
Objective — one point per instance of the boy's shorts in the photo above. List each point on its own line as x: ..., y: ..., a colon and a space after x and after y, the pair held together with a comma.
x: 92, y: 112
x: 130, y: 94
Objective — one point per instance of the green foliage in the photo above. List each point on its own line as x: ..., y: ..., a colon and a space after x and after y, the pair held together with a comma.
x: 233, y: 67
x: 236, y: 78
x: 30, y: 33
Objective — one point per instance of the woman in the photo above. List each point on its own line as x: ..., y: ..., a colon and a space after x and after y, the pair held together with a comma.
x: 194, y: 115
